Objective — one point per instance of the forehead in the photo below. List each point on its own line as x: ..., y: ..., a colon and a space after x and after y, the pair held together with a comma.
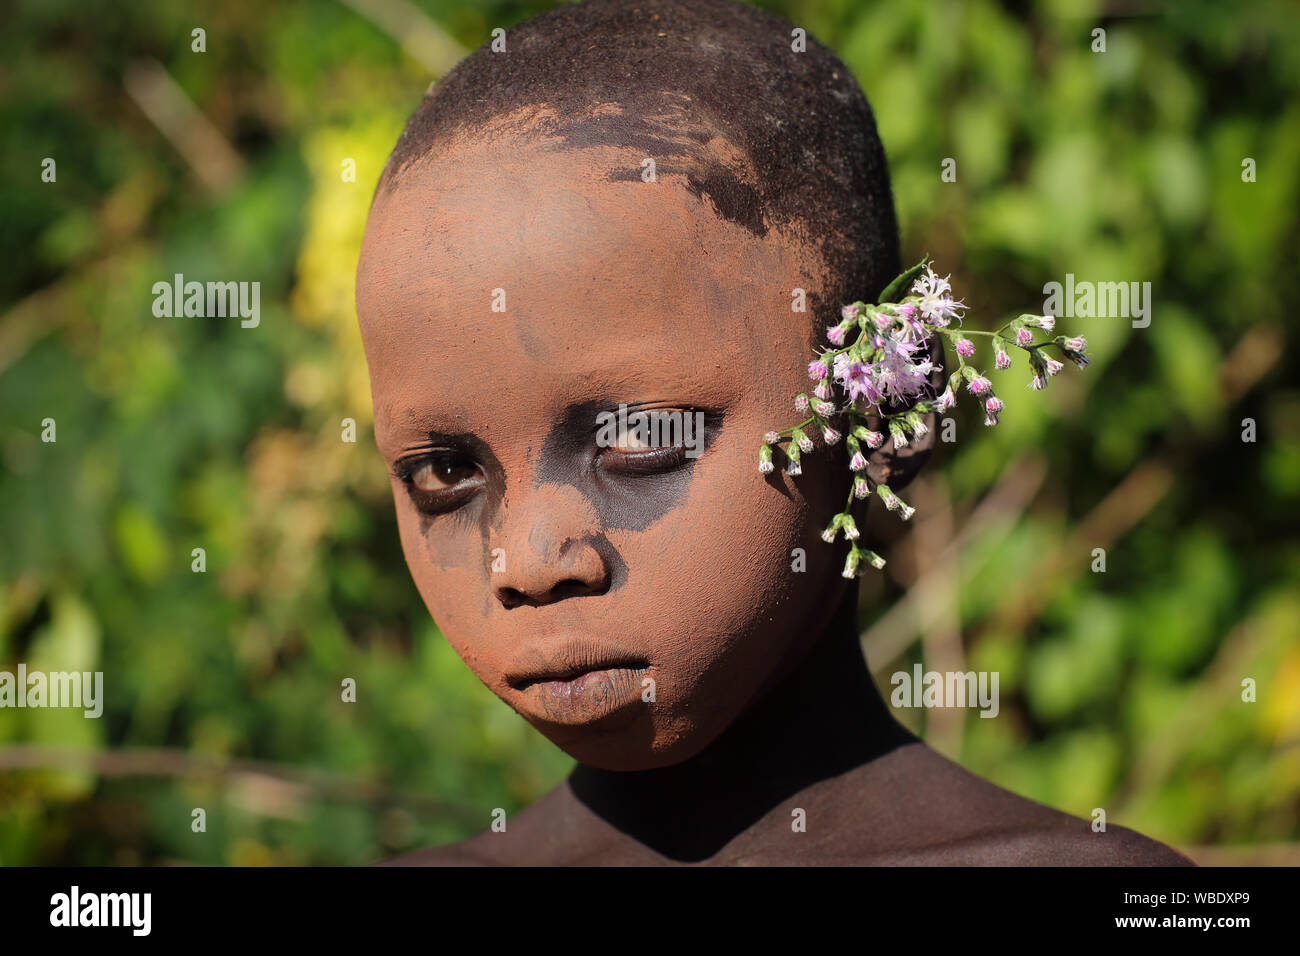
x: 522, y: 267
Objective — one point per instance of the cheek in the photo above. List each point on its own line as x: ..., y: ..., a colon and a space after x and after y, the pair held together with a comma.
x: 449, y: 564
x: 716, y: 571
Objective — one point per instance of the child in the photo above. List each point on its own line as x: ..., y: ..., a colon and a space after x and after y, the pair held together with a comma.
x: 600, y: 228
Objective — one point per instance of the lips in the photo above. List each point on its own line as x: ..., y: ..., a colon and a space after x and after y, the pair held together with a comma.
x: 568, y: 662
x: 576, y: 682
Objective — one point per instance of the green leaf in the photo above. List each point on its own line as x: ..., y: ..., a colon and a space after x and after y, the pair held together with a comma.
x: 891, y: 291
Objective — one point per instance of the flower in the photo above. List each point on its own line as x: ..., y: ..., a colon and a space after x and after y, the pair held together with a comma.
x: 851, y: 562
x: 992, y: 406
x: 857, y: 380
x: 887, y: 365
x: 898, y: 377
x: 1074, y: 349
x: 935, y: 304
x: 1039, y: 367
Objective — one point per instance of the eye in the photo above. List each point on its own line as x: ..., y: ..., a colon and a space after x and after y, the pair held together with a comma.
x: 441, y: 480
x: 629, y: 440
x: 443, y: 470
x: 650, y: 442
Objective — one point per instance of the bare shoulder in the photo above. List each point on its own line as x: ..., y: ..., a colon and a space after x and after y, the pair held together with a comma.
x: 944, y: 815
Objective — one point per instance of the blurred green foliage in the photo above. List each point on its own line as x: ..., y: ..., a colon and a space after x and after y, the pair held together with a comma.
x: 1119, y: 690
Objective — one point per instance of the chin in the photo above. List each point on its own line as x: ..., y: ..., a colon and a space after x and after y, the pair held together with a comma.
x: 626, y: 745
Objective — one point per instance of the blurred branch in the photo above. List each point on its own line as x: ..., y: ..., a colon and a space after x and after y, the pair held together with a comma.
x: 269, y: 778
x: 1221, y: 681
x: 212, y: 158
x: 1267, y: 854
x: 941, y: 646
x: 928, y: 598
x: 1141, y: 489
x: 423, y: 39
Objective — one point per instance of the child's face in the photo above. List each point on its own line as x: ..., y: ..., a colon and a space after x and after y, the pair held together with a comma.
x: 540, y: 553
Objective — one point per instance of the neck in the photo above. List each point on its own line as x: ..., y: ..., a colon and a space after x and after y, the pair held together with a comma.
x: 820, y: 719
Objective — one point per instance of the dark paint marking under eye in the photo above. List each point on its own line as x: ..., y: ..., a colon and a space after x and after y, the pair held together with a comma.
x: 624, y: 501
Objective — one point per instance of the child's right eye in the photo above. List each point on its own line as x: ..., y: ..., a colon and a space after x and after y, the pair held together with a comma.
x: 443, y: 471
x: 441, y: 480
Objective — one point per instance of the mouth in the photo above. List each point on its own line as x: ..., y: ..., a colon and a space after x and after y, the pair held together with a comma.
x: 566, y: 681
x: 578, y: 684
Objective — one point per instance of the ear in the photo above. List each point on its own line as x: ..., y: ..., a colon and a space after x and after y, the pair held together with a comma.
x: 896, y: 467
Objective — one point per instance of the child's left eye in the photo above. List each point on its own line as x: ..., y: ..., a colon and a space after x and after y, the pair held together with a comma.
x: 640, y: 444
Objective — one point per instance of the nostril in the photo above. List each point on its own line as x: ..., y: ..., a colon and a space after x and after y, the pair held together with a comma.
x: 511, y: 597
x: 569, y: 587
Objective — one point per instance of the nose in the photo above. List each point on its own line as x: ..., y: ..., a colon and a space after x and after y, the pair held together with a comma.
x: 547, y: 548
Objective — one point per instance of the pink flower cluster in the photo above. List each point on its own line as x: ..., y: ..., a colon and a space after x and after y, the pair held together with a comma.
x: 880, y: 370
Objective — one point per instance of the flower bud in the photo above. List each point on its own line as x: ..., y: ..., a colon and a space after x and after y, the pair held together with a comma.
x: 765, y: 459
x: 831, y: 529
x: 991, y: 409
x: 965, y: 348
x: 1024, y: 337
x: 830, y: 436
x: 801, y: 402
x: 1001, y: 359
x: 850, y: 527
x: 801, y: 439
x: 851, y: 562
x: 861, y: 487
